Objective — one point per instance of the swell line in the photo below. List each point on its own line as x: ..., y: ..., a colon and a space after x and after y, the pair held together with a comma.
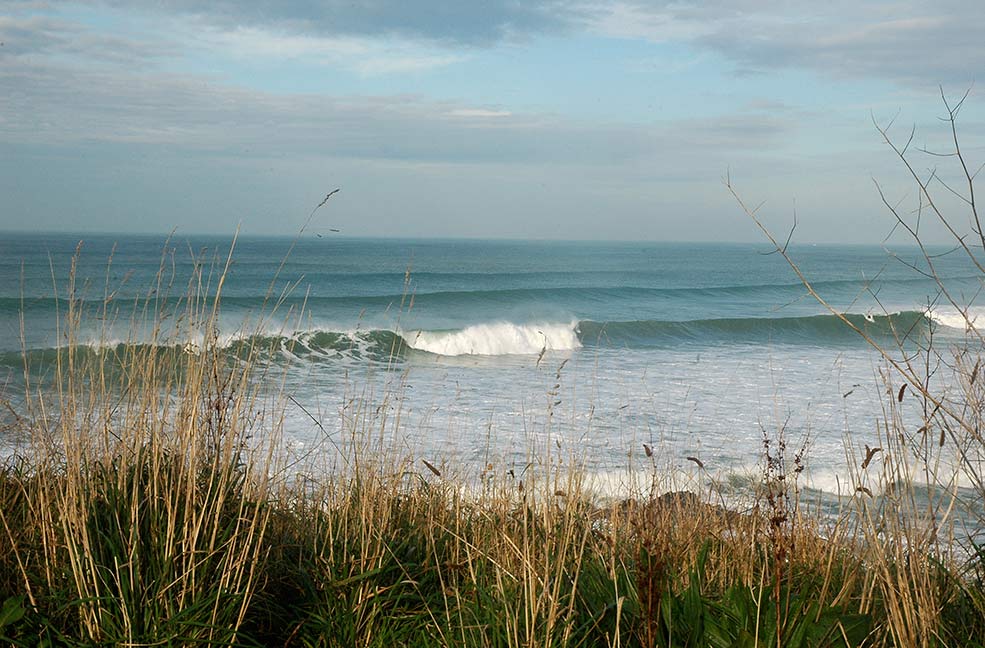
x: 511, y: 338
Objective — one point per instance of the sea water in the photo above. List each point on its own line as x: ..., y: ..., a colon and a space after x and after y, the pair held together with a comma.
x: 487, y: 355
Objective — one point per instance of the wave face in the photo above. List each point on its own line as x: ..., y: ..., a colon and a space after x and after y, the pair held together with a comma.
x: 812, y: 329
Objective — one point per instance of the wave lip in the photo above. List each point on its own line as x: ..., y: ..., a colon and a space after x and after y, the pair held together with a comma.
x: 497, y: 338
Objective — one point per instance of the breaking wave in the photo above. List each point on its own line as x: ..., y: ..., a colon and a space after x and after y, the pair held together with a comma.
x: 504, y: 338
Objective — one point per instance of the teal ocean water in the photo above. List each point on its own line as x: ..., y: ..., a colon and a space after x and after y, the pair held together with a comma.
x: 489, y: 350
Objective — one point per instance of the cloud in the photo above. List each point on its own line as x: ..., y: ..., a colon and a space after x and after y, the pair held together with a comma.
x: 365, y: 56
x: 452, y: 22
x: 44, y: 105
x: 33, y: 36
x: 905, y: 41
x: 66, y: 83
x: 911, y: 42
x: 479, y: 113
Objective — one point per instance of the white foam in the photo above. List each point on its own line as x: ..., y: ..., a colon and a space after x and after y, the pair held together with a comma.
x: 830, y: 481
x: 641, y: 481
x: 967, y: 320
x: 497, y: 338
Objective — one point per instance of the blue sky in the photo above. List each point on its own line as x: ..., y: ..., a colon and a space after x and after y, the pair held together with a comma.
x: 538, y: 119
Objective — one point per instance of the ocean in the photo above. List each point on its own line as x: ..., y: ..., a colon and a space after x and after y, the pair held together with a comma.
x: 486, y: 355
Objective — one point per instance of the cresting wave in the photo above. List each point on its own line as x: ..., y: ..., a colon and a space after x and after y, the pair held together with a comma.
x: 507, y: 338
x: 499, y: 338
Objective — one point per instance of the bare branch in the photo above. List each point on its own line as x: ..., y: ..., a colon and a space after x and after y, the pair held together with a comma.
x: 903, y: 367
x: 978, y: 170
x: 935, y: 153
x: 930, y: 201
x: 953, y: 191
x: 964, y: 166
x: 909, y: 140
x: 789, y: 236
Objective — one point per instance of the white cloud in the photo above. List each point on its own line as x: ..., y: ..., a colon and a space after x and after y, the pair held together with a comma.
x: 364, y: 55
x: 912, y: 42
x: 389, y: 62
x: 635, y: 21
x: 915, y: 43
x: 262, y: 44
x: 479, y: 113
x: 33, y: 36
x: 47, y: 103
x: 453, y: 23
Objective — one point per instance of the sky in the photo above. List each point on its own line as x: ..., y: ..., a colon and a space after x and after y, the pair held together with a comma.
x: 545, y: 119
